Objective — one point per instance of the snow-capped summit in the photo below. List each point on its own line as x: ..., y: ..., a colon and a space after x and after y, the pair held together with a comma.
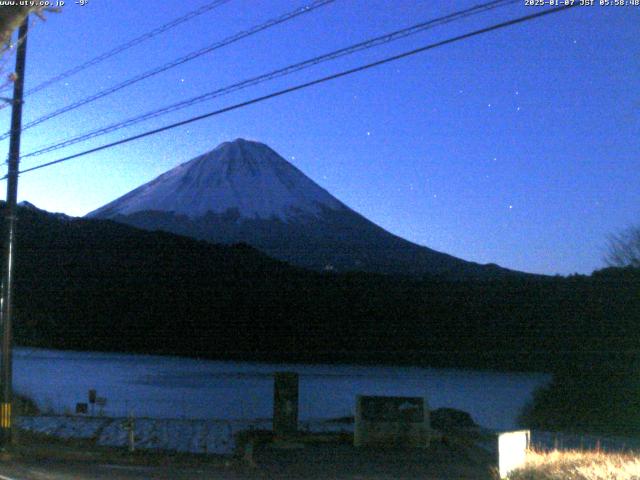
x: 243, y: 191
x: 244, y: 175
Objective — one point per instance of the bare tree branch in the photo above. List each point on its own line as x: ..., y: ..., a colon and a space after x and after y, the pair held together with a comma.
x: 11, y: 17
x: 624, y: 249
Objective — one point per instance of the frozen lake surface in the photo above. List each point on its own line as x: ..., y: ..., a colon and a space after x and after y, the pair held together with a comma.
x: 175, y: 387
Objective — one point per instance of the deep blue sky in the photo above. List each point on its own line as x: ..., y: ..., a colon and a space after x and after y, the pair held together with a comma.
x: 520, y: 147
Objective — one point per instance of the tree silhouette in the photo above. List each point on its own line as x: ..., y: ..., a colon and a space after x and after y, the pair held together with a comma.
x: 624, y: 248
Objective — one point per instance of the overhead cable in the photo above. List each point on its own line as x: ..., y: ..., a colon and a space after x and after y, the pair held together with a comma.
x: 125, y: 46
x: 371, y: 43
x: 184, y: 59
x: 305, y: 85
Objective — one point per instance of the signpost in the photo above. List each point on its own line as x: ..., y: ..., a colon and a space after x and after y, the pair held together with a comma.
x: 392, y: 421
x: 512, y: 450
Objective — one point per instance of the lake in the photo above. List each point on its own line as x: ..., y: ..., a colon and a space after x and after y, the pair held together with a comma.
x: 175, y: 387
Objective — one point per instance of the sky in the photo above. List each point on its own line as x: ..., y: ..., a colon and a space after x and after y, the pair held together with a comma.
x: 519, y: 147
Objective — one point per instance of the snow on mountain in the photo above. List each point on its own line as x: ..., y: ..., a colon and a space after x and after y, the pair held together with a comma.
x: 244, y: 175
x: 245, y: 192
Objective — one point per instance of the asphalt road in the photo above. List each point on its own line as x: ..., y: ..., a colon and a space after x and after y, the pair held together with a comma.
x: 56, y: 470
x: 339, y: 462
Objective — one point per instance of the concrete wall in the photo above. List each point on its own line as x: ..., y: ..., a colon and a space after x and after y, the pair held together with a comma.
x: 392, y: 421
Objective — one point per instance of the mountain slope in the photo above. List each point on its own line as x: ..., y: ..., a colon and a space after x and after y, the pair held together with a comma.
x: 245, y: 176
x: 243, y: 191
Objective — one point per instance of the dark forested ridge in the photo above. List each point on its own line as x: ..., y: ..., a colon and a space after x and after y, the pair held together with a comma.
x: 98, y: 285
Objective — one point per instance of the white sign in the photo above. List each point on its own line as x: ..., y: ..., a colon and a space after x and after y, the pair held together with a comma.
x: 512, y: 450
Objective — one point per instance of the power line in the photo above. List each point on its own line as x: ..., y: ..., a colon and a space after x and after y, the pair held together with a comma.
x: 367, y: 44
x: 191, y: 56
x: 302, y: 86
x: 125, y: 46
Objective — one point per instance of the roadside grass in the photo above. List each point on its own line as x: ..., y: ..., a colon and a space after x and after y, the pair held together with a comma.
x: 578, y: 465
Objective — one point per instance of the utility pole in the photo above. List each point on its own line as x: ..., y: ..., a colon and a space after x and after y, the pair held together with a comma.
x: 6, y: 388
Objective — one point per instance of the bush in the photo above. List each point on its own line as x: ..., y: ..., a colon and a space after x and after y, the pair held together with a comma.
x: 597, y: 399
x: 23, y: 405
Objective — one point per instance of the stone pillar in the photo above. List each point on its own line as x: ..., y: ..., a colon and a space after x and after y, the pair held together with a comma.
x: 285, y: 403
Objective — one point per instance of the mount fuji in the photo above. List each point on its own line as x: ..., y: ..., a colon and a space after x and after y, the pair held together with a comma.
x: 244, y: 192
